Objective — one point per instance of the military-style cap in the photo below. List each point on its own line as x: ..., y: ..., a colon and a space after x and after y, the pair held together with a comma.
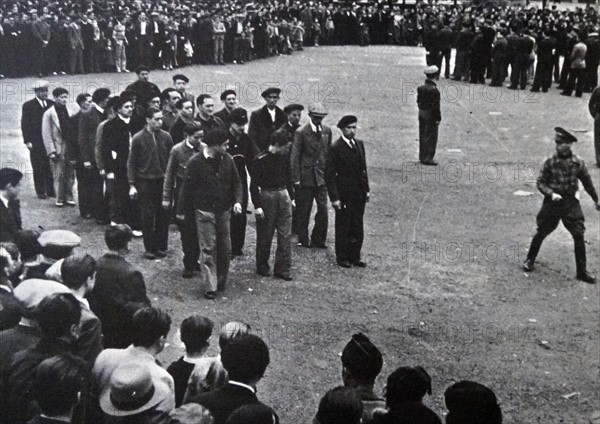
x: 293, y: 107
x: 31, y: 292
x: 239, y: 116
x: 40, y: 85
x: 564, y: 136
x: 347, y: 120
x: 226, y: 93
x: 431, y: 70
x: 361, y: 358
x: 181, y: 77
x: 317, y: 109
x: 215, y: 137
x: 271, y: 90
x: 62, y: 238
x: 278, y: 138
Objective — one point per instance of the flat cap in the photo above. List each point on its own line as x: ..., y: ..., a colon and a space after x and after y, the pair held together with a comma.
x: 226, y: 93
x: 215, y: 137
x: 239, y: 116
x: 431, y: 70
x: 317, y: 109
x: 31, y: 292
x: 564, y: 136
x: 40, y: 85
x: 64, y: 238
x: 293, y: 107
x: 181, y: 77
x: 347, y: 120
x: 271, y: 90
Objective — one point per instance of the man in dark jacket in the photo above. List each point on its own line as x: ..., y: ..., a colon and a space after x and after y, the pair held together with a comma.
x: 10, y: 208
x: 31, y: 127
x: 543, y: 69
x: 499, y: 55
x: 428, y: 100
x: 266, y: 119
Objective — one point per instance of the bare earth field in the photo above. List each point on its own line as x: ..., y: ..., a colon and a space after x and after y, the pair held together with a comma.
x: 444, y: 287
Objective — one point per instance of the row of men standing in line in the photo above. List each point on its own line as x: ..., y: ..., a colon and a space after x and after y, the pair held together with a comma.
x: 108, y: 141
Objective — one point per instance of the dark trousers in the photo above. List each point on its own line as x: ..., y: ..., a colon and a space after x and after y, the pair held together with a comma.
x: 575, y: 82
x: 597, y: 140
x: 591, y: 75
x: 277, y: 207
x: 238, y: 231
x: 123, y: 210
x: 564, y: 72
x: 478, y: 65
x: 189, y: 243
x: 518, y: 74
x: 76, y: 61
x: 92, y: 200
x: 428, y: 138
x: 444, y: 55
x: 349, y: 232
x: 498, y: 71
x: 556, y: 66
x: 155, y: 219
x: 304, y: 201
x: 543, y: 74
x: 569, y: 212
x: 42, y: 174
x: 462, y: 65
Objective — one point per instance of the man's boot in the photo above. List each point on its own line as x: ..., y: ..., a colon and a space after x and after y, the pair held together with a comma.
x: 580, y: 261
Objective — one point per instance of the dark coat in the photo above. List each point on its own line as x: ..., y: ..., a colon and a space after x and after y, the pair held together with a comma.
x: 346, y: 172
x: 10, y: 220
x: 31, y: 122
x: 119, y: 292
x: 14, y: 340
x: 408, y: 413
x: 261, y: 126
x: 10, y: 311
x: 115, y: 138
x: 86, y: 133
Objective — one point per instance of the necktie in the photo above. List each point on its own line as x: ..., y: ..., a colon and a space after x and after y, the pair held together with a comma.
x: 44, y: 104
x: 319, y: 132
x: 353, y: 145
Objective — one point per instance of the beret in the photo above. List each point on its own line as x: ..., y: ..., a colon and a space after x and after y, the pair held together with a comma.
x: 64, y: 238
x: 180, y: 77
x: 226, y: 93
x: 431, y: 70
x: 346, y: 120
x: 215, y: 137
x: 564, y: 136
x: 239, y: 116
x: 293, y: 107
x: 317, y: 109
x: 271, y: 90
x: 31, y: 292
x: 59, y: 91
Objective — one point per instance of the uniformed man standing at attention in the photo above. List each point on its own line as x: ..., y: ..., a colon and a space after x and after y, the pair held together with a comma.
x: 558, y: 182
x: 428, y: 99
x: 272, y: 192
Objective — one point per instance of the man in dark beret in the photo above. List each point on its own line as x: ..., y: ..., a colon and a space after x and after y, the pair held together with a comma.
x: 559, y: 182
x: 229, y: 99
x: 266, y: 119
x: 362, y: 362
x: 347, y: 183
x: 180, y: 83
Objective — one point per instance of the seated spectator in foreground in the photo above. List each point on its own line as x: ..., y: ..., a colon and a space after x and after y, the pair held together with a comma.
x: 56, y: 245
x: 58, y: 385
x: 341, y: 405
x: 119, y: 290
x: 253, y: 414
x: 78, y: 274
x: 10, y: 207
x: 133, y: 396
x: 209, y: 373
x: 404, y: 394
x: 195, y: 334
x: 471, y: 403
x: 59, y: 316
x: 191, y: 413
x: 246, y: 359
x: 150, y: 327
x: 30, y: 250
x: 362, y: 363
x: 10, y: 311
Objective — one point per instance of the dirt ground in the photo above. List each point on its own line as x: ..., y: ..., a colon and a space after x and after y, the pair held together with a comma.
x: 444, y: 287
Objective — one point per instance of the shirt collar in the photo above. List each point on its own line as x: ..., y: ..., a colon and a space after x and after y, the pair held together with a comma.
x: 237, y: 383
x: 4, y: 200
x: 82, y: 300
x: 313, y: 126
x: 41, y: 102
x: 272, y: 113
x: 126, y: 120
x: 348, y: 141
x: 98, y: 108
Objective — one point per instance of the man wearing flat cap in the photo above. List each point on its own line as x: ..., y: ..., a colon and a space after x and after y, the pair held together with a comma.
x: 428, y: 100
x: 243, y: 151
x: 266, y: 119
x: 31, y: 127
x: 229, y: 99
x: 272, y: 195
x: 211, y: 189
x: 348, y: 187
x: 559, y: 183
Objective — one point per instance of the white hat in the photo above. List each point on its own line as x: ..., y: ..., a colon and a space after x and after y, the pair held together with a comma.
x: 431, y: 70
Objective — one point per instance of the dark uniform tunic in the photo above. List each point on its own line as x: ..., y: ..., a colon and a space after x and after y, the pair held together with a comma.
x: 428, y: 100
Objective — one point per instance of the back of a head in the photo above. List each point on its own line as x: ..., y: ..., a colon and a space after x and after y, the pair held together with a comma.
x: 148, y: 325
x: 75, y: 270
x: 9, y: 176
x: 469, y: 402
x: 117, y: 236
x: 340, y: 405
x: 57, y: 314
x: 362, y: 359
x: 28, y: 244
x: 195, y: 332
x: 58, y: 382
x: 407, y: 384
x: 257, y: 413
x: 245, y: 358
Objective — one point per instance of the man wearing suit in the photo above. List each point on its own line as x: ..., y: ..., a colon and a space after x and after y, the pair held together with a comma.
x: 266, y: 119
x: 10, y: 209
x: 31, y: 127
x: 245, y: 358
x: 229, y: 99
x: 348, y: 188
x: 428, y: 100
x: 56, y: 127
x: 91, y: 185
x: 119, y: 290
x: 40, y: 31
x: 75, y: 42
x: 144, y: 33
x: 309, y: 151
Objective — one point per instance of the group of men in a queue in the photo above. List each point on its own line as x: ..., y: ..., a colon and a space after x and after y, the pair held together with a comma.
x: 146, y: 156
